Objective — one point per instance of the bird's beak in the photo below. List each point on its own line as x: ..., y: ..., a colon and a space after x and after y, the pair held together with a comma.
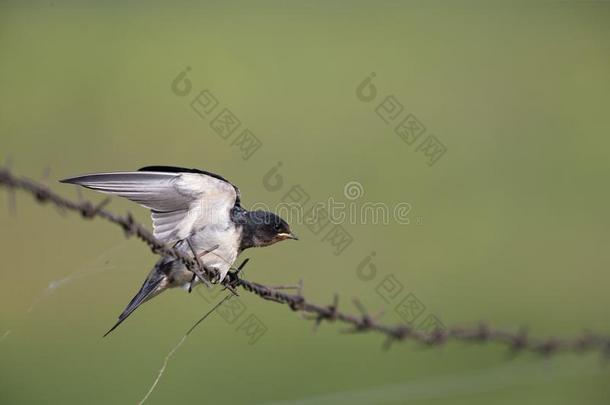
x: 290, y: 235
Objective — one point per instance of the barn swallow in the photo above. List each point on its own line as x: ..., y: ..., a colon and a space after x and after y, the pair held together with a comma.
x: 195, y: 211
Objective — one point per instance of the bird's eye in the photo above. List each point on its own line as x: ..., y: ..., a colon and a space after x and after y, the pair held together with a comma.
x: 277, y: 227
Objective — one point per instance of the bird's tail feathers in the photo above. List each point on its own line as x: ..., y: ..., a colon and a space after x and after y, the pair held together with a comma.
x: 147, y: 291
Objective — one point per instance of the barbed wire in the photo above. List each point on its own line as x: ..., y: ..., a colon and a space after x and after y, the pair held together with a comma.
x: 518, y: 341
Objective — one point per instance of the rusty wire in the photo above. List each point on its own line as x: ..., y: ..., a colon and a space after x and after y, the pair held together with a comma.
x: 518, y: 341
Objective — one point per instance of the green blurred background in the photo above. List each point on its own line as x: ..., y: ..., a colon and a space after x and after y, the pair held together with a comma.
x: 510, y: 226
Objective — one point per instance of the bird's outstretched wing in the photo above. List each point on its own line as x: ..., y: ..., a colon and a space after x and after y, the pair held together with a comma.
x: 181, y: 200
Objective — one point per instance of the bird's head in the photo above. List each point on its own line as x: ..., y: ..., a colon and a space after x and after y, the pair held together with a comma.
x: 266, y: 228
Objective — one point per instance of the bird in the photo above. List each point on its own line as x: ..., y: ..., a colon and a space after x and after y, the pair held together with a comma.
x: 194, y: 211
